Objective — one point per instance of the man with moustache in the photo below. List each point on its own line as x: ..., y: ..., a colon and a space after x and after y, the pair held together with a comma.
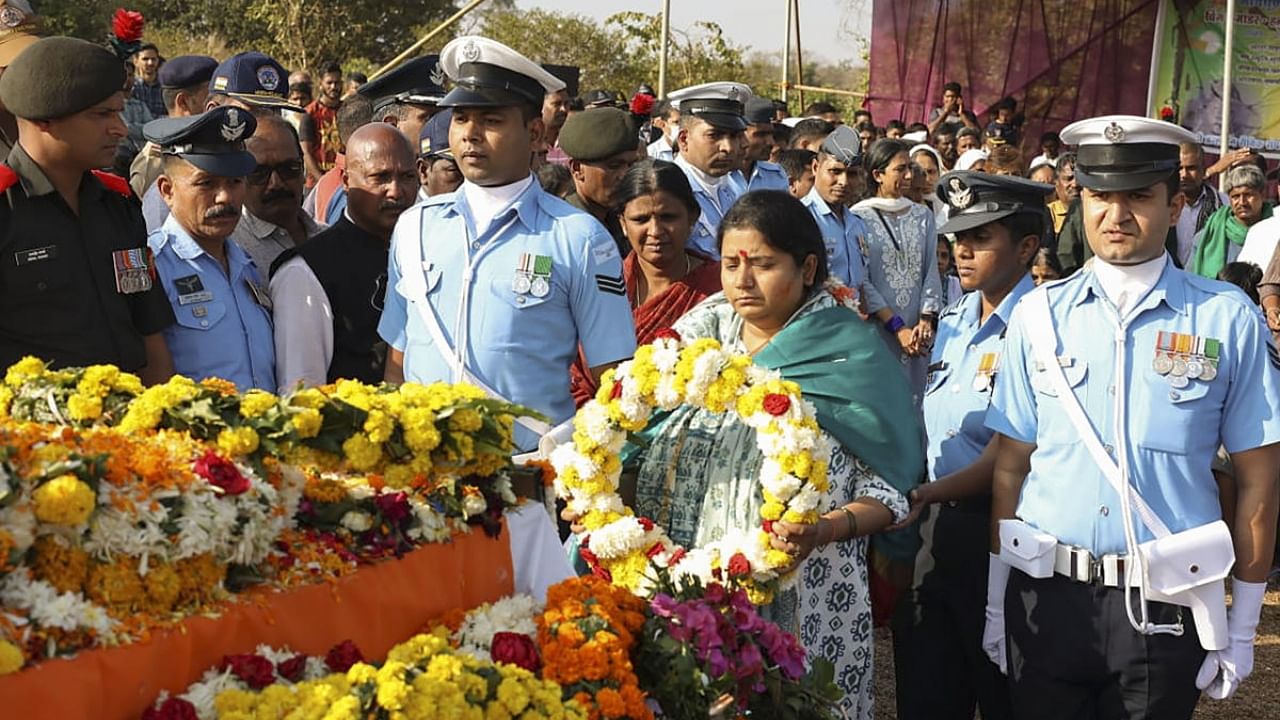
x: 223, y: 313
x: 499, y: 283
x: 711, y: 127
x: 328, y: 294
x: 843, y: 233
x: 601, y: 145
x: 273, y: 219
x: 76, y: 283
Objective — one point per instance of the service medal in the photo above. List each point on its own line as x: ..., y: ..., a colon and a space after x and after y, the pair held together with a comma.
x: 1162, y: 364
x: 981, y: 382
x: 1179, y: 381
x: 1179, y: 368
x: 1208, y: 372
x: 520, y: 284
x: 1195, y: 369
x: 540, y: 288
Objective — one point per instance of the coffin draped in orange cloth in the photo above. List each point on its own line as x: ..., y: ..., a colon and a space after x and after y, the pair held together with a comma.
x: 376, y: 607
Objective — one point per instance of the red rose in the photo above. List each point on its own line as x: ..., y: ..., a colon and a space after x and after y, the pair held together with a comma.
x: 293, y: 668
x: 768, y: 526
x: 127, y: 25
x: 221, y: 473
x: 172, y: 709
x: 641, y: 104
x: 776, y: 404
x: 667, y: 334
x: 254, y: 670
x: 515, y: 649
x: 393, y: 507
x: 617, y: 391
x: 645, y: 523
x: 739, y: 566
x: 341, y: 657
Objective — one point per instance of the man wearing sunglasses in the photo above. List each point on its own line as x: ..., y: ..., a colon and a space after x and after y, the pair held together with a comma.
x: 274, y: 220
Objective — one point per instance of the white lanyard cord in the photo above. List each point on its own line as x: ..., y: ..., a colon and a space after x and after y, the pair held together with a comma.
x: 462, y: 324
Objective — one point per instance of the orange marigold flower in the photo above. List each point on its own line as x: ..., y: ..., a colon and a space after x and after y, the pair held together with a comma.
x: 611, y: 703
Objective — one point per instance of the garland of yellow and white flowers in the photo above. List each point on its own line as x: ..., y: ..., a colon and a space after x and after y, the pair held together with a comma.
x: 664, y: 375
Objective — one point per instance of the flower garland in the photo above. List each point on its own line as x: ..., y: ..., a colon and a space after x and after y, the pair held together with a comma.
x: 664, y: 375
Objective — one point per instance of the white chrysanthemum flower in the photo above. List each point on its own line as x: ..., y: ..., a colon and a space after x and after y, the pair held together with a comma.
x: 618, y: 538
x: 665, y: 356
x: 780, y: 484
x: 511, y: 614
x: 593, y: 421
x: 357, y: 521
x: 806, y: 500
x: 202, y: 693
x: 473, y: 505
x: 19, y: 521
x: 666, y: 395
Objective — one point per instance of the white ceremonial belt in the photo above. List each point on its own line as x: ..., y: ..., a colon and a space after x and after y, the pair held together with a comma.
x: 1080, y: 565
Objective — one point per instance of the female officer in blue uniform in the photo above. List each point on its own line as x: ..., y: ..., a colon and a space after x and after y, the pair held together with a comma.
x: 498, y: 283
x: 941, y: 668
x: 220, y: 301
x: 1165, y: 367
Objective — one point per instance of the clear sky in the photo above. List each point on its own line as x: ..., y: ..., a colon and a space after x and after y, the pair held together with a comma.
x: 760, y: 24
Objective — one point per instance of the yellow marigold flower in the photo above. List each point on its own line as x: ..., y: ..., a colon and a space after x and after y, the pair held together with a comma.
x: 379, y: 426
x: 361, y: 453
x: 513, y: 695
x: 307, y: 422
x: 59, y: 563
x: 23, y: 371
x: 238, y: 441
x: 466, y: 420
x: 83, y: 407
x: 308, y: 398
x: 64, y: 500
x: 772, y: 511
x: 255, y: 403
x: 324, y: 490
x: 11, y: 658
x: 116, y: 585
x: 346, y: 708
x: 219, y: 385
x: 127, y: 383
x: 777, y: 558
x: 6, y: 399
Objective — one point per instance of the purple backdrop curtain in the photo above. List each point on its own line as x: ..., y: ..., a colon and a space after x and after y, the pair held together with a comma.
x: 1061, y: 60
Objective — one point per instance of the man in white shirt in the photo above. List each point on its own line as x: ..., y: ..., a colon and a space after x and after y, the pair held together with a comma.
x: 665, y: 117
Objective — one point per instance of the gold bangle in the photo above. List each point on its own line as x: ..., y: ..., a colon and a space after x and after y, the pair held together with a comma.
x: 851, y: 520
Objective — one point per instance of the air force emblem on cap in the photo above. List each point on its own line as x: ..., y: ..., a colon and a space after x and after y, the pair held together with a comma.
x: 233, y: 129
x: 959, y: 195
x: 268, y: 78
x: 11, y: 17
x: 471, y: 51
x: 437, y: 75
x: 1114, y: 133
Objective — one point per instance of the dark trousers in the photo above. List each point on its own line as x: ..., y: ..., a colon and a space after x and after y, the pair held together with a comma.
x: 942, y: 672
x: 1073, y: 654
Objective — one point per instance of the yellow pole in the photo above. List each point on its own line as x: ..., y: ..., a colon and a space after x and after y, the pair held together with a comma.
x: 425, y: 39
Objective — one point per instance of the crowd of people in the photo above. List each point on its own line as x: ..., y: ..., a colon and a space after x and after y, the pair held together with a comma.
x: 1054, y: 428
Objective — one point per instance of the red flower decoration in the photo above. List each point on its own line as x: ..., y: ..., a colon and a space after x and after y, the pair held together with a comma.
x: 603, y: 573
x: 221, y: 473
x: 776, y: 404
x: 515, y: 649
x: 293, y: 668
x: 645, y: 523
x: 393, y: 507
x: 587, y: 556
x: 667, y: 334
x: 654, y: 551
x: 617, y: 391
x: 641, y: 104
x: 676, y: 557
x: 768, y: 526
x: 254, y: 670
x: 172, y: 709
x: 341, y: 657
x: 739, y: 566
x: 1166, y: 113
x: 127, y: 25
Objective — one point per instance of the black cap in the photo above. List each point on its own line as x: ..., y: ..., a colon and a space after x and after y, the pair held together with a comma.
x: 419, y: 81
x: 253, y: 78
x: 433, y: 140
x: 975, y: 199
x: 844, y: 145
x: 600, y: 98
x: 187, y: 71
x: 212, y: 141
x: 758, y: 110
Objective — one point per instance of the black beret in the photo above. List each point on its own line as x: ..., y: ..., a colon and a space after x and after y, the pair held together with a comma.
x: 598, y: 133
x: 187, y: 71
x: 60, y: 76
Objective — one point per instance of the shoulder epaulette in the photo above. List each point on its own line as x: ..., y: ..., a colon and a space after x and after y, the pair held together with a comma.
x: 114, y: 183
x: 8, y: 177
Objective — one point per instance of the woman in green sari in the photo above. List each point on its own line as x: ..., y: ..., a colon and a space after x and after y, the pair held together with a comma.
x: 700, y: 475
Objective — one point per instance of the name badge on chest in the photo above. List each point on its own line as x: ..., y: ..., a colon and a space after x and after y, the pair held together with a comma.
x: 40, y: 254
x: 133, y: 270
x: 191, y: 290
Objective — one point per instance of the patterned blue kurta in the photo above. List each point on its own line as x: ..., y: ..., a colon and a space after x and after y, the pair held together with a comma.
x: 699, y: 478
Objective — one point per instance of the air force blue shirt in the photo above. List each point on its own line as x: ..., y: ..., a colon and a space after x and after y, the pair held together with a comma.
x: 223, y: 326
x: 1174, y: 432
x: 764, y: 176
x: 843, y: 234
x: 703, y: 237
x: 519, y: 339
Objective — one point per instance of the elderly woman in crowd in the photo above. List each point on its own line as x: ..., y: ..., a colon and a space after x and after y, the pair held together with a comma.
x: 1220, y: 240
x: 664, y: 278
x: 698, y: 476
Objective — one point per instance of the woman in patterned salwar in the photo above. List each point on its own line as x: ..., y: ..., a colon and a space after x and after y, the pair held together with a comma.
x: 699, y: 475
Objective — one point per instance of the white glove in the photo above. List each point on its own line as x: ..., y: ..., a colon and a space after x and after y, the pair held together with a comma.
x: 993, y: 633
x: 1224, y: 670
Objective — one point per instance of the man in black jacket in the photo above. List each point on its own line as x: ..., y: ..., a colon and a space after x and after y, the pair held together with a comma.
x: 328, y: 293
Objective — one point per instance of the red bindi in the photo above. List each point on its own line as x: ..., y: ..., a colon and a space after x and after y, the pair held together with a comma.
x: 742, y: 254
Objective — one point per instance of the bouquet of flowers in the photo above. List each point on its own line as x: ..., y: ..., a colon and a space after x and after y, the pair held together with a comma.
x: 78, y: 397
x: 706, y: 648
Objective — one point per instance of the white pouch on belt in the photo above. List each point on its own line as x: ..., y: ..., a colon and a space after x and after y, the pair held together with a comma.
x: 1026, y: 548
x: 1188, y: 568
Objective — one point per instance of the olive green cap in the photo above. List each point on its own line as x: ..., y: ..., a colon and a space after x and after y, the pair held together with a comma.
x: 597, y: 134
x: 60, y: 76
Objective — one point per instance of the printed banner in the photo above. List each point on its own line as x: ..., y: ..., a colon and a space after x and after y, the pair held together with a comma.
x: 1189, y: 71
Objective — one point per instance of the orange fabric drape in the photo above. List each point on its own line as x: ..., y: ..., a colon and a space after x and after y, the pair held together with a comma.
x: 376, y: 607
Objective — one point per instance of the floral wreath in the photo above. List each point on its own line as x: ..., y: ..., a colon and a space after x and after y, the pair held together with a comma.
x: 668, y: 373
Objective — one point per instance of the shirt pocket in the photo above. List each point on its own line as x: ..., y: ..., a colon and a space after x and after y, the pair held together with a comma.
x: 512, y: 319
x: 1074, y: 369
x: 1178, y: 418
x: 40, y: 272
x: 204, y: 316
x: 1054, y: 425
x: 937, y: 378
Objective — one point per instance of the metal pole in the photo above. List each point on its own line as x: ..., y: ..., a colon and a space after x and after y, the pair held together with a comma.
x: 424, y: 39
x: 1228, y: 61
x: 799, y: 53
x: 786, y: 53
x: 1157, y: 51
x: 662, y: 57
